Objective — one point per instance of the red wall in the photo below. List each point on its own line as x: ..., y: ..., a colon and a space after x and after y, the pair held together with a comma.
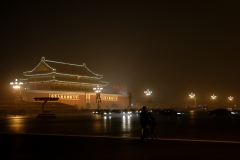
x: 81, y: 103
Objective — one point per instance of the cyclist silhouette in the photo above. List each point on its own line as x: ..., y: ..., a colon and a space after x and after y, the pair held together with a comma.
x: 146, y: 119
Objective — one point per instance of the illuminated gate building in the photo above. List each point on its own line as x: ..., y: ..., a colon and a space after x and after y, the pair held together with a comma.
x: 73, y: 84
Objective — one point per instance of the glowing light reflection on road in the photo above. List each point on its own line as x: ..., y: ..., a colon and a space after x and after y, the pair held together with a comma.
x: 105, y: 123
x: 17, y: 125
x: 126, y: 123
x: 97, y: 123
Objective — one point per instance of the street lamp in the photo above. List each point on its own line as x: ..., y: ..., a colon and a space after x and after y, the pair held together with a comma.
x: 130, y: 99
x: 98, y: 97
x: 17, y: 86
x: 213, y: 97
x: 193, y: 96
x: 148, y: 93
x: 230, y: 98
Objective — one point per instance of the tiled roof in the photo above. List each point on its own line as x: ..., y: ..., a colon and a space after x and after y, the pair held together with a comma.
x: 64, y: 68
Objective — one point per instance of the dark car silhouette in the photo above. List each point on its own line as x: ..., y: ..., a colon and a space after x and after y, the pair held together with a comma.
x: 169, y: 113
x: 116, y: 111
x: 127, y: 112
x: 220, y: 112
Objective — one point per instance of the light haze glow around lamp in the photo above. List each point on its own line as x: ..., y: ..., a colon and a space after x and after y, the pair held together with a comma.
x: 230, y: 98
x: 17, y: 88
x: 213, y: 97
x: 194, y: 97
x: 148, y: 93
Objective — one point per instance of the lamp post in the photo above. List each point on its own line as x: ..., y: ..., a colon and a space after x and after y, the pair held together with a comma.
x: 148, y: 93
x: 130, y: 100
x: 230, y: 98
x: 17, y: 93
x: 213, y: 97
x: 17, y: 87
x: 194, y: 97
x: 98, y: 97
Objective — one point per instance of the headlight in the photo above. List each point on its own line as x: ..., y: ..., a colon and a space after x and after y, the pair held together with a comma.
x: 179, y: 113
x: 233, y: 113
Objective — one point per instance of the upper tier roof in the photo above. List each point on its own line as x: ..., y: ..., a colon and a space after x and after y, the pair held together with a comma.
x: 47, y: 66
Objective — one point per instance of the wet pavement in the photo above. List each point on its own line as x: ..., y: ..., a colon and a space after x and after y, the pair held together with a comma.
x: 199, y: 126
x: 192, y: 136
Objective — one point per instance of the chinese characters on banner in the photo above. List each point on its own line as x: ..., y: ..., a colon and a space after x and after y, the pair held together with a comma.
x: 109, y: 98
x: 76, y: 97
x: 64, y: 96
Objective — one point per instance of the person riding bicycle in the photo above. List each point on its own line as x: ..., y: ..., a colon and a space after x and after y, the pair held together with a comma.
x: 146, y: 119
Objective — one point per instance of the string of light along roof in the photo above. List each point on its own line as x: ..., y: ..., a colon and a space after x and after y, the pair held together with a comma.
x: 78, y: 65
x: 44, y: 60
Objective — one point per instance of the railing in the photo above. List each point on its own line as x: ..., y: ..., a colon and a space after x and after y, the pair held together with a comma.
x: 22, y: 112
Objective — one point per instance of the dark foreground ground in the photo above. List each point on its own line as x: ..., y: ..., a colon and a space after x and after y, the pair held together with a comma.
x: 194, y: 136
x: 42, y: 147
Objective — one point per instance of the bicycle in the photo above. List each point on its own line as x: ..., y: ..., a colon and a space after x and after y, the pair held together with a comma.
x: 146, y: 133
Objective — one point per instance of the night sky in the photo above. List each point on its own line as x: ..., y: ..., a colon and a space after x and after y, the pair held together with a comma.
x: 172, y: 47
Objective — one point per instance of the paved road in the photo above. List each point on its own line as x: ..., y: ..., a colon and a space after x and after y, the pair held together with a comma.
x: 77, y: 147
x: 193, y: 136
x: 199, y: 126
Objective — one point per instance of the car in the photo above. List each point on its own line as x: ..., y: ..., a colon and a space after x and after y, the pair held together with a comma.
x: 133, y: 111
x: 98, y: 111
x: 137, y: 111
x: 169, y: 113
x: 221, y: 112
x: 116, y: 111
x: 106, y: 112
x: 127, y: 112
